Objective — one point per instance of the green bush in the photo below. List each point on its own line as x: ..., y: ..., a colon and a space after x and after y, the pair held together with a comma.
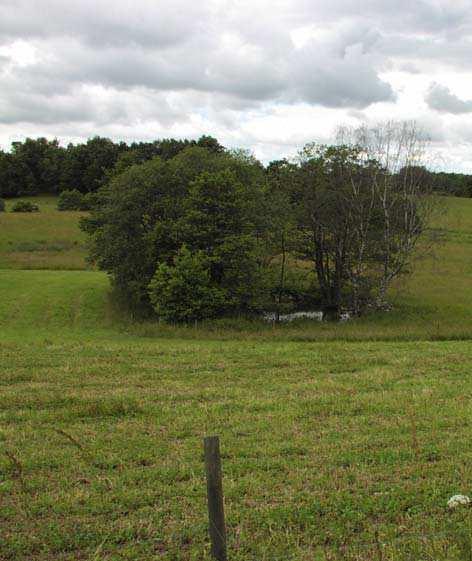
x: 184, y: 291
x: 90, y: 201
x: 70, y: 200
x: 2, y: 205
x: 25, y: 206
x: 204, y: 200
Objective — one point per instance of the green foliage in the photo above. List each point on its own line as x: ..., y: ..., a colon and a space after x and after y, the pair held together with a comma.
x: 283, y: 238
x: 25, y: 206
x: 42, y: 166
x: 184, y: 291
x: 15, y: 176
x: 358, y: 222
x: 70, y: 200
x: 217, y: 219
x: 130, y: 229
x: 33, y: 166
x: 90, y: 200
x: 202, y: 198
x: 85, y: 165
x: 454, y: 184
x: 2, y: 205
x: 326, y: 208
x: 75, y: 200
x: 38, y: 164
x: 99, y: 423
x: 289, y: 288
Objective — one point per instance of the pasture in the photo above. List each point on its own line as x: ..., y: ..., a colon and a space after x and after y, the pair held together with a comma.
x: 339, y: 441
x: 49, y: 239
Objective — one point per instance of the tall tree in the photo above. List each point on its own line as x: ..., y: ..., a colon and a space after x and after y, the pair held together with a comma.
x: 86, y: 165
x: 199, y: 198
x: 362, y: 219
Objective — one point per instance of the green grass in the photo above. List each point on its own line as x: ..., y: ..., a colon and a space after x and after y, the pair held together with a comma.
x: 339, y: 441
x: 48, y: 239
x: 329, y: 449
x: 434, y: 303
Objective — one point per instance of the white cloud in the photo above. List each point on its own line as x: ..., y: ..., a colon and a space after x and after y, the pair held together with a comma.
x: 267, y: 74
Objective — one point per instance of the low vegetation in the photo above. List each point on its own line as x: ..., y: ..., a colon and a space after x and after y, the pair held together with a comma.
x: 330, y: 450
x: 41, y: 240
x: 75, y: 200
x: 25, y: 206
x: 340, y: 441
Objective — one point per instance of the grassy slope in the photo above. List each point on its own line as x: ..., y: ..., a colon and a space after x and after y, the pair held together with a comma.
x: 331, y: 450
x: 442, y: 284
x: 434, y: 303
x: 48, y: 239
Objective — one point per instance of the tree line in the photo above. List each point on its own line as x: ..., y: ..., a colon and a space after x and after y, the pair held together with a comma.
x: 210, y: 232
x: 42, y: 166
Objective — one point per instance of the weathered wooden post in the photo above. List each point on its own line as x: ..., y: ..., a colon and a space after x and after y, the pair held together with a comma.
x: 216, y: 514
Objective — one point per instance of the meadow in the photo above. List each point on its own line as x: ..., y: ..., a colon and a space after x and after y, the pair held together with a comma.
x: 49, y: 239
x: 339, y: 441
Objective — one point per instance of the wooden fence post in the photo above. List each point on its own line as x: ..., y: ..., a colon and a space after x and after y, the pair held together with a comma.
x: 216, y: 514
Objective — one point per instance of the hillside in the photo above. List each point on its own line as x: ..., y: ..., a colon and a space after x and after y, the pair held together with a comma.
x: 339, y: 441
x: 434, y: 303
x: 49, y: 239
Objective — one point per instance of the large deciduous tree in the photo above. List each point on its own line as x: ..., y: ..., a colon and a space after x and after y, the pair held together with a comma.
x: 362, y: 207
x: 203, y: 199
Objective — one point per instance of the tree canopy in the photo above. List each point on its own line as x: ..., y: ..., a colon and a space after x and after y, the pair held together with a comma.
x: 210, y: 232
x: 41, y: 166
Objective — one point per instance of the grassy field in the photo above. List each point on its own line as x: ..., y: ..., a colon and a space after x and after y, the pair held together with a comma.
x: 339, y: 441
x: 49, y: 239
x: 339, y: 450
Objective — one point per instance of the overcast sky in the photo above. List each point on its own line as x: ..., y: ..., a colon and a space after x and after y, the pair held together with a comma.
x: 269, y: 75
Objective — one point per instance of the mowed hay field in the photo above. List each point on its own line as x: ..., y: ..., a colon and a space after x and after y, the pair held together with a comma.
x: 338, y: 441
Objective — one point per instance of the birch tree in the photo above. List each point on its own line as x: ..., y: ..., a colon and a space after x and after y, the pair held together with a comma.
x: 363, y: 206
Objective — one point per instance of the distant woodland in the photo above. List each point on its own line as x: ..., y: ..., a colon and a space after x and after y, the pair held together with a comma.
x: 41, y: 166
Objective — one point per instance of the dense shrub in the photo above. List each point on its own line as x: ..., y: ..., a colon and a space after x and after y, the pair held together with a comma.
x: 184, y: 290
x: 201, y: 198
x: 211, y: 233
x: 2, y: 205
x: 75, y: 200
x: 90, y: 200
x: 70, y: 200
x: 25, y: 206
